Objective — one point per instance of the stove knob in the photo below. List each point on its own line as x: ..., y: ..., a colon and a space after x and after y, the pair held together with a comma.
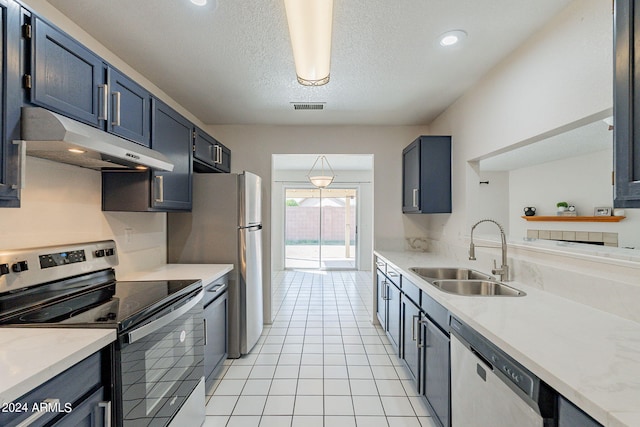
x: 4, y: 269
x: 20, y: 266
x: 110, y: 252
x: 99, y: 253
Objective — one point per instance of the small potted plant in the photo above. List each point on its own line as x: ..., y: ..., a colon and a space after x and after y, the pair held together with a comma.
x: 562, y: 206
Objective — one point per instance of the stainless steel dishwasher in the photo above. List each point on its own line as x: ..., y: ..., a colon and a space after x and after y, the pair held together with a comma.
x: 490, y: 389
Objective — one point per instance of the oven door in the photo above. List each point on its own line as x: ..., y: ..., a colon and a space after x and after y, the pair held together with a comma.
x: 160, y: 364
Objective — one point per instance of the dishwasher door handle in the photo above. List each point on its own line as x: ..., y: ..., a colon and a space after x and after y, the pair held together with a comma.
x: 481, y: 357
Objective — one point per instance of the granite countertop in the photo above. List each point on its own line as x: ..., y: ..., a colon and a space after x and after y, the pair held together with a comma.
x: 205, y: 272
x: 31, y: 356
x: 589, y: 356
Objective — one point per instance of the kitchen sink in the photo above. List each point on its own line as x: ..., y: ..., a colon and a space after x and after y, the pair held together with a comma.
x: 430, y: 274
x: 477, y: 288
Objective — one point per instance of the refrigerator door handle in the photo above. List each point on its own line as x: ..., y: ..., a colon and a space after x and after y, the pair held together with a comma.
x: 255, y: 227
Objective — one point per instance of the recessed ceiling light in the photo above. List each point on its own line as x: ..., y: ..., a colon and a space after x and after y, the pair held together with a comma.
x: 199, y: 2
x: 451, y: 38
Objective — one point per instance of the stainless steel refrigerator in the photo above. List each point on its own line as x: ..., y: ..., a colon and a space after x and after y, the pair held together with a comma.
x: 225, y: 227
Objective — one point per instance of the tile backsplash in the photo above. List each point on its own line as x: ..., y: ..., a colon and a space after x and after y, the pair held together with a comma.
x: 595, y: 237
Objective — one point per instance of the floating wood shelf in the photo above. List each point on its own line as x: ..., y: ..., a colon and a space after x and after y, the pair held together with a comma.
x: 575, y: 218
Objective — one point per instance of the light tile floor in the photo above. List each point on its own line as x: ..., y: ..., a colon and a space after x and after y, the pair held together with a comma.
x: 321, y: 363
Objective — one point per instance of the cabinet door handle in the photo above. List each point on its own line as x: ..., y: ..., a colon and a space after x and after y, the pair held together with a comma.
x: 420, y: 343
x: 159, y: 179
x: 102, y: 114
x: 392, y: 274
x: 415, y: 197
x: 106, y: 405
x: 414, y: 327
x: 29, y: 421
x: 116, y: 108
x: 218, y: 159
x: 205, y: 331
x: 22, y: 161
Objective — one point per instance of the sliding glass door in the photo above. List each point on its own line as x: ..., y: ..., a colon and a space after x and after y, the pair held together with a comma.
x: 320, y: 228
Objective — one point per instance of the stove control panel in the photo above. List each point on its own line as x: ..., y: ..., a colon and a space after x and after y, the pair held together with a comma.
x: 62, y: 258
x: 22, y: 268
x: 104, y: 252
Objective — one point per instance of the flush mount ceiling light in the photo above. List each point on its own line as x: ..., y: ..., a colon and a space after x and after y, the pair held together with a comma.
x: 310, y: 31
x: 451, y: 38
x: 323, y: 179
x: 199, y: 2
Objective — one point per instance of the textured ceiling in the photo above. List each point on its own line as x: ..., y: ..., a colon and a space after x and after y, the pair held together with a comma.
x: 233, y: 64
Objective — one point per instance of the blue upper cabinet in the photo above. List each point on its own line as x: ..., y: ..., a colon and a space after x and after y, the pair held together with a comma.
x: 129, y: 111
x: 172, y: 135
x: 156, y: 191
x: 66, y: 76
x: 626, y: 111
x: 11, y: 96
x: 209, y: 155
x: 426, y: 175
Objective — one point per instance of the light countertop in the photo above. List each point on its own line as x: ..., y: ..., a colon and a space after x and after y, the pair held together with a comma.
x: 32, y: 356
x: 205, y: 272
x: 589, y: 356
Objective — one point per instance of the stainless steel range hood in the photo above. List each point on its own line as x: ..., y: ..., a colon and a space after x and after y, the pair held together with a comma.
x: 51, y: 136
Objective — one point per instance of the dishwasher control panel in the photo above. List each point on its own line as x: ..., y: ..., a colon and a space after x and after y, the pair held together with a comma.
x: 496, y: 359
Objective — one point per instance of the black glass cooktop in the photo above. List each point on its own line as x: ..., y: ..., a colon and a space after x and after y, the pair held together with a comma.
x: 111, y: 304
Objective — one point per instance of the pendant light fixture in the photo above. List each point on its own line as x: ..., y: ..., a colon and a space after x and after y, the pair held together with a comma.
x: 310, y: 24
x: 321, y: 180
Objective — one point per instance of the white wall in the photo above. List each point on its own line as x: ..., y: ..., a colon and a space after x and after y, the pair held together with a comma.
x: 558, y: 77
x: 62, y: 204
x: 362, y: 180
x: 561, y: 75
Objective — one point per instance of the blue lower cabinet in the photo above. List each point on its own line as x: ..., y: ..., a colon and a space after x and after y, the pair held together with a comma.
x: 71, y: 399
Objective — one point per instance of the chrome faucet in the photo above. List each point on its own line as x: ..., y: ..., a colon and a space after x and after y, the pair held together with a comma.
x: 503, y: 271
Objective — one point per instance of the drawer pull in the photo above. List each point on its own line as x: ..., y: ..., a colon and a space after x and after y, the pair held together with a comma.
x: 33, y: 418
x: 107, y: 412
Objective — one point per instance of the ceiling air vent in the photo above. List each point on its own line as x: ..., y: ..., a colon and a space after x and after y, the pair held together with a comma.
x: 308, y: 105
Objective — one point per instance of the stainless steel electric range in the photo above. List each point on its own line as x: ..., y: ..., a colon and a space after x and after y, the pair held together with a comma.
x: 156, y: 370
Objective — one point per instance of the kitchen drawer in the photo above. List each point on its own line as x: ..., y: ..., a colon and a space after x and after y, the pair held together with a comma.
x: 393, y: 275
x: 381, y: 265
x: 435, y: 311
x: 68, y: 388
x: 411, y: 290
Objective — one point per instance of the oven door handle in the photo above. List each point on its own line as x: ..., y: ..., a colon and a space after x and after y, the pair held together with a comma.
x: 149, y: 328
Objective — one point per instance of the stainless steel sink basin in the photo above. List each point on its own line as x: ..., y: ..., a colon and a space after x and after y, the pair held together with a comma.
x: 477, y: 288
x: 430, y: 274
